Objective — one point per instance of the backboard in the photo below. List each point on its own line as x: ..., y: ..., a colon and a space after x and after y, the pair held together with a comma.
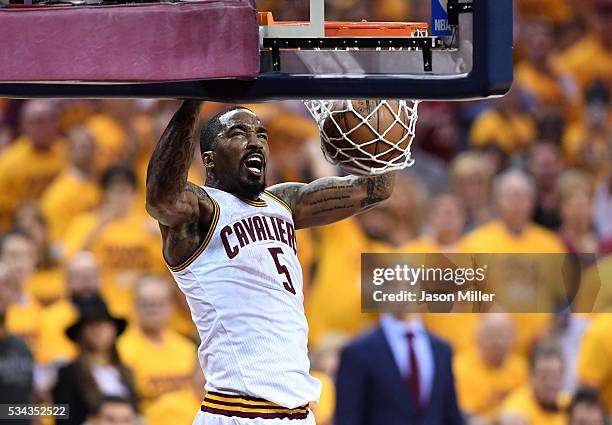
x: 235, y: 53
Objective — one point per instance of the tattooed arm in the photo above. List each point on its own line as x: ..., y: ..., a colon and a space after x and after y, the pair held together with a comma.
x: 183, y: 209
x: 330, y: 199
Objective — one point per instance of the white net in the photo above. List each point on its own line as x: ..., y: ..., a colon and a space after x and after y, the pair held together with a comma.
x: 366, y: 137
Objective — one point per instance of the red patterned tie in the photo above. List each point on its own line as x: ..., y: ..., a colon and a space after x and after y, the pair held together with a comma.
x: 414, y: 377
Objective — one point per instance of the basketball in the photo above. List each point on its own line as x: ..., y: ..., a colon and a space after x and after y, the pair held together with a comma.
x: 362, y: 136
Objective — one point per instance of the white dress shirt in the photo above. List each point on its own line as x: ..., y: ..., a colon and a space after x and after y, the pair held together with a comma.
x: 395, y: 331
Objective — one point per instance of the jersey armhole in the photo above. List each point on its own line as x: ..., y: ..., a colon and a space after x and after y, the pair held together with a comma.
x: 279, y: 200
x: 213, y: 225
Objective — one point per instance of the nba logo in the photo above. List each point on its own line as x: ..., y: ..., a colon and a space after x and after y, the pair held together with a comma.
x: 439, y: 18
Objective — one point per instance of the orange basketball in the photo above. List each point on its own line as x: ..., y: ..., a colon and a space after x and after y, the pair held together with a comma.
x: 368, y: 137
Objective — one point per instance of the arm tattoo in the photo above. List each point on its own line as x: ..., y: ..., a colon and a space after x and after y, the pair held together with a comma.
x: 378, y: 188
x: 170, y: 162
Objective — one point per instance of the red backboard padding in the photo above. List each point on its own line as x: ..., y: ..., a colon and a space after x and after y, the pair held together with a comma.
x: 139, y: 43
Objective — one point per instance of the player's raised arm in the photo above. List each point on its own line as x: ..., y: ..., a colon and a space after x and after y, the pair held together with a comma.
x: 181, y: 208
x: 330, y: 199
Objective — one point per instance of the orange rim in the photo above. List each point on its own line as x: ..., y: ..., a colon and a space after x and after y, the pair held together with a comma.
x: 356, y: 29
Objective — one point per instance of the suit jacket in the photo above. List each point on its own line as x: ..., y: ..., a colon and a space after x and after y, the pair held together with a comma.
x: 371, y: 391
x: 69, y: 389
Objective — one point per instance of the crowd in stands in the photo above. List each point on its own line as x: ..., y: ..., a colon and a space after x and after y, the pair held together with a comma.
x: 90, y: 316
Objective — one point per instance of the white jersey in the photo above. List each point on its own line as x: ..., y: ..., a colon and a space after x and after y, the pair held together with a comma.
x: 244, y: 289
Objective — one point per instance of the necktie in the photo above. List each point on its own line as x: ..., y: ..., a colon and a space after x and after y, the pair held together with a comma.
x: 414, y: 378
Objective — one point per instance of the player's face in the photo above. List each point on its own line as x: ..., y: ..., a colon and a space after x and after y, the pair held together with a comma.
x: 241, y: 154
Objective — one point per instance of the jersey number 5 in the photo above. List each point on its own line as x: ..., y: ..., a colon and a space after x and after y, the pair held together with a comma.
x: 282, y: 269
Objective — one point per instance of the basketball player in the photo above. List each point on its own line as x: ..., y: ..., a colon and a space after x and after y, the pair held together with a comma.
x: 231, y: 248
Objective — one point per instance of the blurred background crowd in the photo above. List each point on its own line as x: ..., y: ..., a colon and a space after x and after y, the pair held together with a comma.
x: 90, y: 315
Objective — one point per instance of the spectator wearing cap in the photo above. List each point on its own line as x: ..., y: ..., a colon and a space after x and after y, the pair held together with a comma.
x: 586, y: 408
x: 161, y: 360
x: 97, y: 370
x: 16, y: 363
x: 397, y: 373
x: 82, y: 282
x: 119, y: 237
x: 488, y: 373
x: 32, y: 161
x: 540, y: 401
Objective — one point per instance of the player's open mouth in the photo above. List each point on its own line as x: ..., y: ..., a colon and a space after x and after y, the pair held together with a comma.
x: 255, y: 163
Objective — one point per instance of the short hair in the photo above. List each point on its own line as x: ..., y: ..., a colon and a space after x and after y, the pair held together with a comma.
x: 513, y: 173
x: 121, y: 173
x: 108, y: 399
x: 14, y: 233
x: 212, y: 127
x: 588, y: 396
x: 544, y: 350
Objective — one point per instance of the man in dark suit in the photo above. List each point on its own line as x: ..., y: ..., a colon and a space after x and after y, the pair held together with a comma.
x: 397, y: 374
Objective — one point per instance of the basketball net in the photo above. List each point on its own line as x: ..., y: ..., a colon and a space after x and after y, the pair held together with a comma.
x: 397, y: 152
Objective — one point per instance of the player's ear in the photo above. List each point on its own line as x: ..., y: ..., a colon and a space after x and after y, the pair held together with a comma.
x: 207, y: 159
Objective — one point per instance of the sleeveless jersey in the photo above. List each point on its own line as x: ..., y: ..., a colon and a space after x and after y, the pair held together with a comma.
x: 244, y: 289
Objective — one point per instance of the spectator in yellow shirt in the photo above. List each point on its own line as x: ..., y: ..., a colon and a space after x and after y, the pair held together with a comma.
x: 586, y: 409
x: 514, y: 232
x: 82, y: 281
x: 487, y: 374
x: 590, y: 59
x: 18, y: 254
x: 536, y: 74
x: 75, y: 190
x: 471, y: 175
x: 506, y: 126
x: 540, y: 402
x: 586, y: 142
x: 46, y: 284
x: 123, y: 241
x: 32, y: 161
x: 161, y: 359
x: 178, y: 407
x: 595, y: 359
x: 446, y: 220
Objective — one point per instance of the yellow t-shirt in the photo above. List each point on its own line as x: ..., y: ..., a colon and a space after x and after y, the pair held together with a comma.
x: 158, y: 368
x: 124, y: 248
x: 23, y: 319
x: 324, y: 409
x: 587, y: 60
x: 46, y: 285
x: 334, y: 299
x: 595, y: 359
x: 176, y: 408
x: 480, y: 388
x: 510, y: 133
x: 25, y: 173
x: 547, y: 89
x: 557, y: 11
x: 68, y: 196
x: 494, y: 237
x: 55, y: 345
x: 587, y: 149
x: 522, y: 402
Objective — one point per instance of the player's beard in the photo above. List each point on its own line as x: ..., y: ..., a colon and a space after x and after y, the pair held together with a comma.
x: 252, y: 188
